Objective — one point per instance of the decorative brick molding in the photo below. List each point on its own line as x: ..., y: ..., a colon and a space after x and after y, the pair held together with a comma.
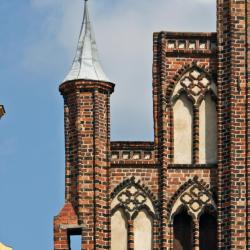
x: 194, y: 195
x: 196, y: 83
x: 132, y: 188
x: 132, y: 153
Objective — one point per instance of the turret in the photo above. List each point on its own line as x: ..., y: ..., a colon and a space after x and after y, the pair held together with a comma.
x: 86, y: 91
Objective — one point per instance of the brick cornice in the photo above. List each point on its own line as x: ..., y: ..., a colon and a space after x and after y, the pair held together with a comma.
x: 85, y: 86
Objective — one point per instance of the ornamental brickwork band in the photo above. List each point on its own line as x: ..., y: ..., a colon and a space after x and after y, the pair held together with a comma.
x: 189, y: 188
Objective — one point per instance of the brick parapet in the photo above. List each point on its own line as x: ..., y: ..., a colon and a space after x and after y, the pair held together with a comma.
x: 135, y: 153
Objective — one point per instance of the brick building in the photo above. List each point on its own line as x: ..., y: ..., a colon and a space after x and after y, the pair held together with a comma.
x: 189, y: 188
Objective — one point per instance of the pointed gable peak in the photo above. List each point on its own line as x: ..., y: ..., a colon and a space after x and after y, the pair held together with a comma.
x: 86, y: 64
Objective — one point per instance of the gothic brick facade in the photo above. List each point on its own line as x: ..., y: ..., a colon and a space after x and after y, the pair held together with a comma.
x: 189, y: 188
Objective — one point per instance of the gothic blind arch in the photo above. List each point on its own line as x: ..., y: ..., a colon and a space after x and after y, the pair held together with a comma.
x: 194, y: 129
x: 192, y: 211
x: 133, y: 197
x: 183, y: 230
x: 194, y: 196
x: 138, y: 208
x: 183, y: 130
x: 119, y: 229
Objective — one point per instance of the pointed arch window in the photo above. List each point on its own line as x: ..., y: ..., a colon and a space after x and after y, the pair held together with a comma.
x: 208, y: 231
x: 183, y: 231
x: 193, y: 209
x: 194, y: 118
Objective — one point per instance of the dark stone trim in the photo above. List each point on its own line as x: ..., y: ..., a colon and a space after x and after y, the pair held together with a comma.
x: 132, y: 145
x: 129, y: 165
x: 192, y: 166
x: 191, y: 54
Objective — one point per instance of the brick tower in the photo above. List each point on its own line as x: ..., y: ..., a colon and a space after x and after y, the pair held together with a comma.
x: 86, y: 91
x: 187, y: 189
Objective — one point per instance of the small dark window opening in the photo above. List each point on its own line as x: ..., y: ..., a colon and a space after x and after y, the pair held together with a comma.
x: 183, y: 231
x: 208, y: 232
x: 75, y: 239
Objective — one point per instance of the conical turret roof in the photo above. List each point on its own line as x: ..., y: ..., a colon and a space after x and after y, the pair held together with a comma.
x: 86, y: 64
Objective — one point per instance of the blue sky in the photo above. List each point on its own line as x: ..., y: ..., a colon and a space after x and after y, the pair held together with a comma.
x: 38, y: 40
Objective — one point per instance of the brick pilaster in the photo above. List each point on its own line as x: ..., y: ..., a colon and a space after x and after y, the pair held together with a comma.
x: 233, y: 132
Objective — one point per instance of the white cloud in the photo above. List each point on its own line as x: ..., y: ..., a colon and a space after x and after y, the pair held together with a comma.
x: 124, y: 35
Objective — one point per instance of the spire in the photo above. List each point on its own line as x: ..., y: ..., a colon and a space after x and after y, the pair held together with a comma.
x: 86, y: 64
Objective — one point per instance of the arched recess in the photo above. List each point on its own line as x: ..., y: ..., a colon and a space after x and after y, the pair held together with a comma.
x: 183, y: 230
x: 208, y: 231
x: 133, y: 196
x: 143, y: 225
x: 208, y: 130
x: 139, y: 206
x: 119, y: 229
x: 194, y: 196
x: 194, y: 116
x: 183, y: 130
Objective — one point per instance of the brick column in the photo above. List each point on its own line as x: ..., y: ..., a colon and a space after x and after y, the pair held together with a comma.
x: 233, y: 109
x: 102, y: 164
x: 247, y: 18
x: 131, y: 235
x: 196, y: 239
x: 155, y: 236
x: 196, y: 135
x: 162, y: 121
